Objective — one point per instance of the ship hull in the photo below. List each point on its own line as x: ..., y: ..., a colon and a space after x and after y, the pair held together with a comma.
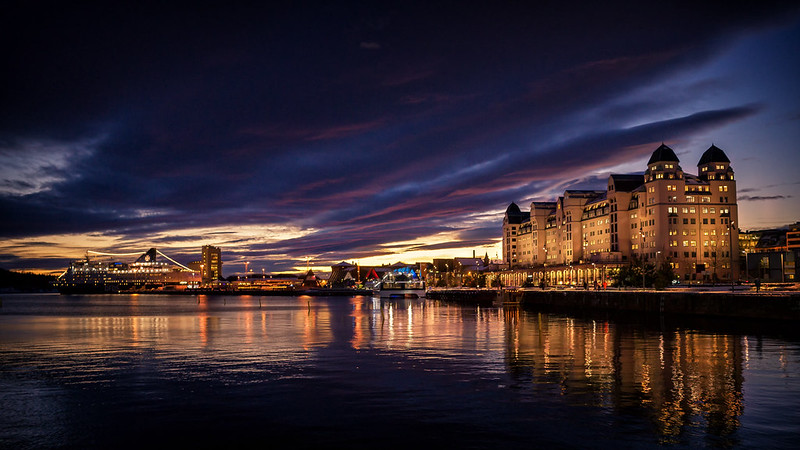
x: 81, y: 290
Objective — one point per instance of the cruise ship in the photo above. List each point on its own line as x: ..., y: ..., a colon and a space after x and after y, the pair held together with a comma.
x: 152, y: 270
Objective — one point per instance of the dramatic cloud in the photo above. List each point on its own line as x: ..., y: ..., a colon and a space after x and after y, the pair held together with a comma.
x: 335, y: 131
x: 750, y: 198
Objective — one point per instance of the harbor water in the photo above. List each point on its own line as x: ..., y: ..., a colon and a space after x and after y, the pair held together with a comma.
x: 112, y: 371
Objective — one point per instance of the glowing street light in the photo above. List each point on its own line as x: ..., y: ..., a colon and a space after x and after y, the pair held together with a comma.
x: 730, y: 251
x: 641, y: 232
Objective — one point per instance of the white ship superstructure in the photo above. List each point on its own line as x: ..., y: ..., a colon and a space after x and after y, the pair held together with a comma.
x: 147, y: 272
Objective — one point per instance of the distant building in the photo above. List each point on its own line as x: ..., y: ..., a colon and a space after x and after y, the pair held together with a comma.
x: 469, y: 265
x: 211, y: 264
x: 350, y: 275
x: 771, y: 255
x: 661, y: 215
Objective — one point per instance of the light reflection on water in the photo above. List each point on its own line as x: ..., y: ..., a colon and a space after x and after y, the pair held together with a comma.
x: 96, y: 371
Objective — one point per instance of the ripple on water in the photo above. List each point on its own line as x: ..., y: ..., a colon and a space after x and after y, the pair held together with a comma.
x: 96, y: 371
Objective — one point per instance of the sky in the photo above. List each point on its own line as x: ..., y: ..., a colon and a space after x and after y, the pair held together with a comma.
x: 313, y: 133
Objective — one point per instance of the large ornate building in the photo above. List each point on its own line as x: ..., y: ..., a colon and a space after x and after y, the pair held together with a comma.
x: 664, y: 214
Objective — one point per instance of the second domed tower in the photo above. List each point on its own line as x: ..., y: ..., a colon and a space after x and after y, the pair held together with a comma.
x: 663, y: 164
x: 714, y: 165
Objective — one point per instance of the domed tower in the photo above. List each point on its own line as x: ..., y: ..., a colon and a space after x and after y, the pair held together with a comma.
x: 656, y: 206
x: 511, y: 226
x: 715, y: 169
x: 714, y: 165
x: 663, y: 164
x: 513, y: 209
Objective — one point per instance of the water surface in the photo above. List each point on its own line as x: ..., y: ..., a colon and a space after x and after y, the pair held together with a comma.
x: 355, y: 372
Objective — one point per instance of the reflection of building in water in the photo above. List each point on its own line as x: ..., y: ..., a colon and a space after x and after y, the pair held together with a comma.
x: 680, y: 379
x: 436, y: 330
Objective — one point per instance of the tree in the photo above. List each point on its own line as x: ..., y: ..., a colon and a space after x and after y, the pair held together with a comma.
x: 664, y: 275
x: 631, y: 275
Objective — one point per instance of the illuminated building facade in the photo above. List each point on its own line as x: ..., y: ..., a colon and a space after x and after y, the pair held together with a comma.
x: 661, y: 215
x: 211, y: 264
x: 771, y: 255
x: 513, y: 222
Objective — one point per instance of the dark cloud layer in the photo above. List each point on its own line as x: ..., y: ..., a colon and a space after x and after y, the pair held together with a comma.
x: 369, y: 123
x: 750, y: 198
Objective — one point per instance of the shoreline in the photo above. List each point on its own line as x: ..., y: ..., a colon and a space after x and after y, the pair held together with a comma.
x: 251, y: 292
x: 769, y: 305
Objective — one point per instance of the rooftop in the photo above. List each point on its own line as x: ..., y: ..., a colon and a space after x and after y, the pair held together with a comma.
x: 713, y: 154
x: 663, y: 153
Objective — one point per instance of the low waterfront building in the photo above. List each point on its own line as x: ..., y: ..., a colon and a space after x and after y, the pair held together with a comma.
x: 771, y: 255
x: 662, y: 215
x: 349, y: 275
x: 266, y: 282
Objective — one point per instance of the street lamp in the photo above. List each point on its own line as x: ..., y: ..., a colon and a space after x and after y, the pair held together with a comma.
x: 569, y: 271
x: 730, y: 251
x: 585, y: 248
x: 641, y: 232
x: 544, y: 264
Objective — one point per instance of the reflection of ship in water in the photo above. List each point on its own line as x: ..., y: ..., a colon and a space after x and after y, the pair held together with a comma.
x: 151, y: 270
x: 678, y: 379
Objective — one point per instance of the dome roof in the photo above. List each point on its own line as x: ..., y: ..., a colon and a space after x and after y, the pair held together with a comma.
x: 663, y: 153
x: 713, y: 154
x: 513, y: 209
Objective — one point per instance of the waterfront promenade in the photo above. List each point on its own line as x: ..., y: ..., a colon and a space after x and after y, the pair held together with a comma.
x: 773, y: 302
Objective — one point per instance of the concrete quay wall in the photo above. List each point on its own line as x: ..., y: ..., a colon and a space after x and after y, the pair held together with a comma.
x: 468, y: 296
x: 719, y: 304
